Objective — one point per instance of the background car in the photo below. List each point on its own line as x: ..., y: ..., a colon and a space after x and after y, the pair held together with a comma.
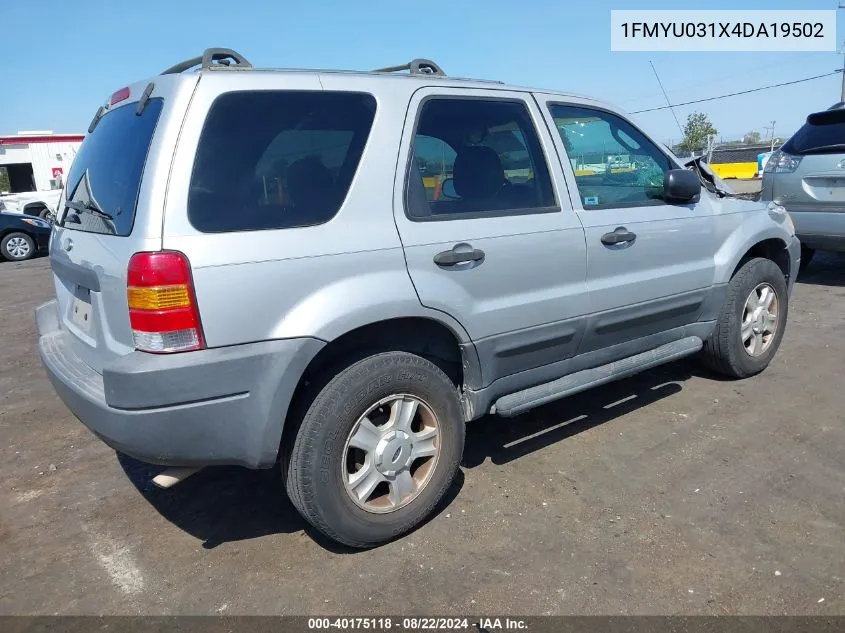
x: 41, y: 204
x: 22, y: 236
x: 807, y: 177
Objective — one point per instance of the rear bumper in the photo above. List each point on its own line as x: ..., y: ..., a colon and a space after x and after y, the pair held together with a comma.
x: 823, y: 242
x: 217, y: 406
x: 823, y: 230
x: 42, y: 240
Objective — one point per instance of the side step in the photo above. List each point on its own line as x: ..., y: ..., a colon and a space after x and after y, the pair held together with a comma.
x: 521, y: 401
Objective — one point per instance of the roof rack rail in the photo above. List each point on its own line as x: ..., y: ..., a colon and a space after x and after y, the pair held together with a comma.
x: 416, y: 67
x: 211, y: 59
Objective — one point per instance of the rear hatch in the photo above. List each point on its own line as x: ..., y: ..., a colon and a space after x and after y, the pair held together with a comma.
x: 809, y: 169
x: 111, y: 209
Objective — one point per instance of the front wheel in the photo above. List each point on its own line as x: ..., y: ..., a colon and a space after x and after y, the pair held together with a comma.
x: 17, y: 247
x: 377, y: 449
x: 752, y: 322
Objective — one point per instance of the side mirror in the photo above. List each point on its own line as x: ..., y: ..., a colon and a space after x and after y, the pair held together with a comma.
x: 681, y: 185
x: 447, y: 189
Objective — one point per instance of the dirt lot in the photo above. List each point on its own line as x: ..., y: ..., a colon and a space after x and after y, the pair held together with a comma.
x: 672, y: 492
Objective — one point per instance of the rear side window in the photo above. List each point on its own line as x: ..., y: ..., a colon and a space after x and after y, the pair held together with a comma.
x: 103, y: 183
x: 277, y: 159
x: 823, y: 133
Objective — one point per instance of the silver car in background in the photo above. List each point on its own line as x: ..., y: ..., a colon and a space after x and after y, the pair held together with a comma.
x: 807, y: 176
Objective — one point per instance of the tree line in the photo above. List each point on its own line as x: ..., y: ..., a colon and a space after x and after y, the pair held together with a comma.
x: 699, y: 129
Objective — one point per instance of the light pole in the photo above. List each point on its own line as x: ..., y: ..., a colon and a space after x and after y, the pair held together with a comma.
x: 842, y: 94
x: 772, y: 128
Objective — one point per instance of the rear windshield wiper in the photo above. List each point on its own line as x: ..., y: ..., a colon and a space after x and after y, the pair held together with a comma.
x: 87, y: 207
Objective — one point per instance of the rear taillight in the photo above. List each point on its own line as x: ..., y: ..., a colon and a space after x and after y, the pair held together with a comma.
x: 163, y: 310
x: 781, y: 163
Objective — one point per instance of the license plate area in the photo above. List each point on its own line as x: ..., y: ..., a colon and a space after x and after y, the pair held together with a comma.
x: 825, y: 188
x: 81, y: 312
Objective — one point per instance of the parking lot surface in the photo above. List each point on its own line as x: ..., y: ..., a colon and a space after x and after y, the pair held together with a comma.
x: 671, y: 492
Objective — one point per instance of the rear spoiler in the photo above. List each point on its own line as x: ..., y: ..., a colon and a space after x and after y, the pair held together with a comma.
x: 828, y: 117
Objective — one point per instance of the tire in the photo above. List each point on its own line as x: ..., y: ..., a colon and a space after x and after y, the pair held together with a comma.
x: 725, y: 351
x: 37, y: 211
x: 806, y: 256
x: 17, y: 247
x: 317, y: 466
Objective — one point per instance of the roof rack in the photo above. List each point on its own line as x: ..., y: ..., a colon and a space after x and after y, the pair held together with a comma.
x: 416, y: 67
x: 211, y: 59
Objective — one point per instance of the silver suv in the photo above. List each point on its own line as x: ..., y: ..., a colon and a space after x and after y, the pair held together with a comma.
x: 807, y: 177
x: 336, y: 271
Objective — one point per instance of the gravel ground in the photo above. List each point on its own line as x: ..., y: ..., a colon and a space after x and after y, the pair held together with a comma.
x: 671, y: 492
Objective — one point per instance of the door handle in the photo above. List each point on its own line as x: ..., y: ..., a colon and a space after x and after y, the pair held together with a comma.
x: 618, y: 236
x: 453, y: 256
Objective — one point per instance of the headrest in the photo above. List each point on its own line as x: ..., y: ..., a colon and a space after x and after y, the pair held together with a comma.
x: 478, y: 173
x: 309, y: 181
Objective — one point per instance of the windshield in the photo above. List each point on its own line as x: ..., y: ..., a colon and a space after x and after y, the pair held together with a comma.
x: 102, y: 187
x: 823, y: 133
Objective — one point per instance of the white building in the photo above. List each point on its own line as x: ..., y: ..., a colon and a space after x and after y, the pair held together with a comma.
x: 39, y: 160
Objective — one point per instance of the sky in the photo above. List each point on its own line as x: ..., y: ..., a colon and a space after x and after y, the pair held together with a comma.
x: 63, y: 59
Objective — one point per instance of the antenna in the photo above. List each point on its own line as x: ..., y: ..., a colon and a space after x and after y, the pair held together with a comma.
x: 668, y: 103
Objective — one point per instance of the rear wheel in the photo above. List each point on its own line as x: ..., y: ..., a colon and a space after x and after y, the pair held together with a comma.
x: 377, y: 449
x: 752, y: 322
x: 17, y: 247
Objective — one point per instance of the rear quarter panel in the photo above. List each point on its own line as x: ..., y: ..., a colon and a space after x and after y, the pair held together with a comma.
x: 320, y: 281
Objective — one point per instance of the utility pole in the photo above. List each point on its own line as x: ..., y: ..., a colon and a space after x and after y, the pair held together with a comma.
x: 772, y: 128
x: 842, y: 95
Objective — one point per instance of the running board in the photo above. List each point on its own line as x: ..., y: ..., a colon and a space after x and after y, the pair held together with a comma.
x: 521, y: 401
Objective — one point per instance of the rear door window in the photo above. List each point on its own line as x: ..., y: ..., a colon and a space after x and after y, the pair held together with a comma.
x: 823, y: 133
x: 477, y: 157
x: 103, y: 183
x: 277, y: 159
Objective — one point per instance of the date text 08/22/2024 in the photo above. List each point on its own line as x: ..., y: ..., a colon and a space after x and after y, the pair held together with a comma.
x: 416, y: 623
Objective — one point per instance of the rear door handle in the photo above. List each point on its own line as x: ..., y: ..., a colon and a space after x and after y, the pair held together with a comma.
x: 618, y: 236
x: 455, y: 256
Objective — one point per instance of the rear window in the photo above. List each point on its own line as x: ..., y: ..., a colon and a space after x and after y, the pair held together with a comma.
x: 823, y: 133
x: 105, y: 177
x: 277, y: 159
